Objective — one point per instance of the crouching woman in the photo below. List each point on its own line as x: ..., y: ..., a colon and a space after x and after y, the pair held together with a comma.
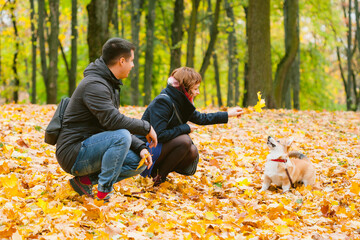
x: 170, y: 113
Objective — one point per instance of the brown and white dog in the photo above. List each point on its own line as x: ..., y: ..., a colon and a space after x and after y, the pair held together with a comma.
x: 299, y: 167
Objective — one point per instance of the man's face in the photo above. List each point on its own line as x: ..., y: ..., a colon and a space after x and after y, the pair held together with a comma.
x: 126, y: 65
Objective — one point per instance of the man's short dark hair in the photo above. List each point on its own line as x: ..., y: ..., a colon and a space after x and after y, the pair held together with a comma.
x: 115, y: 48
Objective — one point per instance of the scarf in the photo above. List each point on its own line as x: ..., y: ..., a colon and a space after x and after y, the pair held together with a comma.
x: 175, y: 83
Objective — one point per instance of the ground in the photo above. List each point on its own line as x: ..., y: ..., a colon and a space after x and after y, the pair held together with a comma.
x: 221, y: 201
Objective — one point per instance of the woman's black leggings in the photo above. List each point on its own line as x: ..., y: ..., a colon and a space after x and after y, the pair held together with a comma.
x: 176, y: 154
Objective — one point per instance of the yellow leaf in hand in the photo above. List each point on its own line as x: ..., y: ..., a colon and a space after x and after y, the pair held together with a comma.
x: 260, y: 104
x: 142, y: 161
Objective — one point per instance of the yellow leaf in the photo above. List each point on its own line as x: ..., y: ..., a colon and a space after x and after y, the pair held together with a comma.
x: 8, y: 148
x: 10, y: 181
x: 282, y: 229
x: 355, y: 188
x: 260, y: 104
x: 142, y: 161
x: 43, y: 205
x: 198, y: 229
x: 243, y: 182
x: 4, y: 168
x: 210, y: 216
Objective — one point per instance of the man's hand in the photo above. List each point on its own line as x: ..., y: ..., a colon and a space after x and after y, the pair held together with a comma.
x: 152, y: 138
x: 192, y: 127
x: 148, y: 160
x: 235, y: 112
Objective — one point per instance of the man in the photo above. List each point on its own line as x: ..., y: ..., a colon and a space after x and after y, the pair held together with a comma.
x: 96, y: 144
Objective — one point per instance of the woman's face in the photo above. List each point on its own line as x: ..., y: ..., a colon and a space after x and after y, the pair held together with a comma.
x: 195, y: 90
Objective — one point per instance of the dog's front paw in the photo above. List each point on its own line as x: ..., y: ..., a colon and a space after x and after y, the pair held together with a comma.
x: 286, y: 188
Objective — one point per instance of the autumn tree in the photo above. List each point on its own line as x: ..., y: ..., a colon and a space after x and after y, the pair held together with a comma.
x: 136, y: 8
x: 210, y: 48
x: 49, y: 72
x: 177, y: 35
x: 190, y: 54
x: 246, y: 65
x: 33, y: 52
x: 349, y: 78
x: 259, y: 71
x: 233, y: 88
x: 71, y: 70
x: 99, y: 17
x: 285, y: 72
x: 149, y: 52
x: 16, y: 53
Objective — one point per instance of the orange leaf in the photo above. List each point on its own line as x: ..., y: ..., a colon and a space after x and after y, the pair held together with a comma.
x: 21, y: 143
x: 214, y: 162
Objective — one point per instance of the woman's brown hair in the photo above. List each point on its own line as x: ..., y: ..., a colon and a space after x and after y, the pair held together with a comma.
x: 186, y: 76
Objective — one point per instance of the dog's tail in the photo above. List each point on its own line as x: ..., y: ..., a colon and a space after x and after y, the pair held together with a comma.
x: 296, y: 154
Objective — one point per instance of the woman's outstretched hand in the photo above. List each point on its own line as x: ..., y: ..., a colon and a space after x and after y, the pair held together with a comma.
x: 235, y: 112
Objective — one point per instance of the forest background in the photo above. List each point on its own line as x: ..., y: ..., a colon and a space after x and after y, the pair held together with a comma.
x: 299, y: 54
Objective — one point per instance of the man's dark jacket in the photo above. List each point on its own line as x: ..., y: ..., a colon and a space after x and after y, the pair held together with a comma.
x: 94, y: 108
x: 161, y: 115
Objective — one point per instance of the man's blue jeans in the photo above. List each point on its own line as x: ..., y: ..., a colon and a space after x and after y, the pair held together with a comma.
x: 107, y: 159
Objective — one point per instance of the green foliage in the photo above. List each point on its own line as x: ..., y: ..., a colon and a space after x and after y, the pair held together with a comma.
x: 321, y: 86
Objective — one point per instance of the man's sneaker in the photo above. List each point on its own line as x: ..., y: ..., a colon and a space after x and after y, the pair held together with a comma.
x: 80, y: 188
x: 105, y: 199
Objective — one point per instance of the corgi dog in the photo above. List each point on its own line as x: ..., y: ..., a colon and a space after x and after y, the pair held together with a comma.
x: 283, y: 168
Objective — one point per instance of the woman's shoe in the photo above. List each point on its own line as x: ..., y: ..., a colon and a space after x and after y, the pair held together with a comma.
x: 158, y: 180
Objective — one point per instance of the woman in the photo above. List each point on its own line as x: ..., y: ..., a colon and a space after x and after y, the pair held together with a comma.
x: 169, y: 113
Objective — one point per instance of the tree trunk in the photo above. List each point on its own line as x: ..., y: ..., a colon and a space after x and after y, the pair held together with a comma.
x: 213, y: 36
x: 99, y: 16
x: 192, y: 34
x: 149, y: 53
x: 177, y: 35
x: 74, y: 36
x: 122, y: 18
x: 14, y: 66
x: 41, y: 34
x: 246, y: 65
x: 53, y: 52
x: 294, y: 71
x: 33, y: 53
x: 231, y: 55
x: 115, y: 18
x: 280, y: 84
x: 357, y: 14
x: 259, y: 76
x: 217, y: 79
x: 136, y: 6
x: 349, y: 57
x: 295, y: 80
x: 209, y: 51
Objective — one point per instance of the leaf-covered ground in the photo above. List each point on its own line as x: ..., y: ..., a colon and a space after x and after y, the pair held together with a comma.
x: 221, y: 201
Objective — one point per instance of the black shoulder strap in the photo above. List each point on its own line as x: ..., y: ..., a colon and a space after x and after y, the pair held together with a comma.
x: 175, y: 110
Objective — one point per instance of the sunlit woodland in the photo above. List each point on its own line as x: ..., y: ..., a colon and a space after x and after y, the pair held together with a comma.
x: 300, y: 54
x: 293, y: 66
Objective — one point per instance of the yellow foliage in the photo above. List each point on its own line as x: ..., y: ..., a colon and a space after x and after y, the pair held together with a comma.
x: 220, y: 201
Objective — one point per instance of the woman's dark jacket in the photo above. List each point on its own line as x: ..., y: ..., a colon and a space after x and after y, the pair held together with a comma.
x: 94, y: 108
x: 160, y: 114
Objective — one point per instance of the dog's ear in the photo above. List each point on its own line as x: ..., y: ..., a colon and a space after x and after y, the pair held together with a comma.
x: 288, y: 143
